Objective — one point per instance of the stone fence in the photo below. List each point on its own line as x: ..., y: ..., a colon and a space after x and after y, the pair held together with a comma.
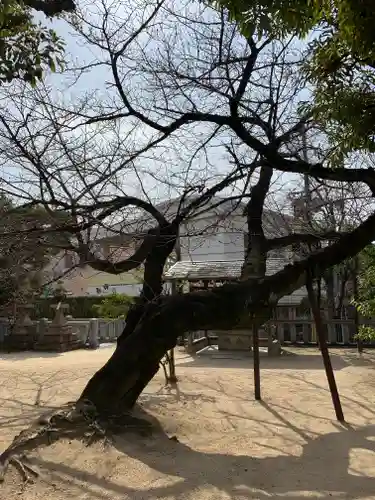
x: 89, y: 332
x: 287, y: 332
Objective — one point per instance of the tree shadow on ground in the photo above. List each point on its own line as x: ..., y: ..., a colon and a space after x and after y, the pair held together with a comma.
x: 321, y: 469
x: 287, y: 361
x: 356, y: 402
x: 27, y: 355
x: 26, y: 412
x: 25, y: 396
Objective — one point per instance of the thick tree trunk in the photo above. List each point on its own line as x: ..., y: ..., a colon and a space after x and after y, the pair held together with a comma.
x: 118, y: 384
x: 255, y: 264
x: 115, y: 388
x: 152, y: 280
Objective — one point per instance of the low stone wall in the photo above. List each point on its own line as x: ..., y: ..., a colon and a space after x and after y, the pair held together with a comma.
x: 90, y: 332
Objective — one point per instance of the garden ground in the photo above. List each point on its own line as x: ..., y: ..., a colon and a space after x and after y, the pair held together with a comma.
x: 224, y: 444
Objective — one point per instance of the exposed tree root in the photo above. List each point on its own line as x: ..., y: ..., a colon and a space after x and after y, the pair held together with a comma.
x: 27, y: 472
x: 76, y: 421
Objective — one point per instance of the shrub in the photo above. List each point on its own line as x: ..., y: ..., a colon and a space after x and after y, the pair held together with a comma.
x: 114, y: 306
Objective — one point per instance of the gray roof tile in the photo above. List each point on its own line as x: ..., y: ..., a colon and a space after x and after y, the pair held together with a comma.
x: 187, y: 270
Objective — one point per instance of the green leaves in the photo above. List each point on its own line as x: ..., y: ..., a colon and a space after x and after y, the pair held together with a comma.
x: 340, y: 60
x: 365, y: 304
x: 27, y: 49
x: 114, y: 306
x: 365, y: 333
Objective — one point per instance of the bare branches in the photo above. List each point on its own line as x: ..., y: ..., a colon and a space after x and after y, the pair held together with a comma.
x: 248, y: 70
x: 114, y: 57
x: 172, y: 90
x: 132, y: 262
x: 318, y: 171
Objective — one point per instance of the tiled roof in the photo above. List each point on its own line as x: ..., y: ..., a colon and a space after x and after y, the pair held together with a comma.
x: 210, y: 270
x: 204, y: 270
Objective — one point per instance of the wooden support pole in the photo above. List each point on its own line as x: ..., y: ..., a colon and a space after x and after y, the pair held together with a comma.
x: 356, y: 313
x: 256, y: 364
x: 176, y: 288
x: 172, y: 368
x: 320, y: 330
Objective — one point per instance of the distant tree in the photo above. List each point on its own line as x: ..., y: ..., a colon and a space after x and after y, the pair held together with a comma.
x: 365, y: 302
x: 27, y: 48
x: 24, y: 253
x: 114, y: 306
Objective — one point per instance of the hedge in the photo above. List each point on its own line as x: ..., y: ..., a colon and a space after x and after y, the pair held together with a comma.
x: 79, y: 307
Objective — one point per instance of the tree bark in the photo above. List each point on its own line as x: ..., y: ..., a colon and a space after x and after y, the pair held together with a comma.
x: 153, y: 277
x: 117, y: 385
x: 255, y: 263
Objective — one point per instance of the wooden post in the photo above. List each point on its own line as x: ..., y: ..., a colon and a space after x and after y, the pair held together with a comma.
x: 172, y: 368
x: 324, y: 350
x: 175, y: 289
x: 356, y: 314
x: 256, y: 364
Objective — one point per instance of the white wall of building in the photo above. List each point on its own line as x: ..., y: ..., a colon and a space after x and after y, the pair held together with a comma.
x: 234, y: 246
x: 201, y: 248
x: 209, y: 239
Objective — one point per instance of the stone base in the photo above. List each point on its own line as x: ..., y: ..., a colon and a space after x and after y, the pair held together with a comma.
x: 22, y: 339
x: 58, y: 338
x: 242, y: 340
x: 19, y: 342
x: 234, y: 341
x: 58, y: 342
x: 52, y: 344
x: 57, y: 347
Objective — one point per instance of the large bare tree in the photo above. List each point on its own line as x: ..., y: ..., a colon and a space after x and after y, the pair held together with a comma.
x: 181, y: 83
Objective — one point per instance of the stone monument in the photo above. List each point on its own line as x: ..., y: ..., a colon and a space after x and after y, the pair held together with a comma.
x: 242, y: 340
x: 24, y: 333
x: 58, y: 335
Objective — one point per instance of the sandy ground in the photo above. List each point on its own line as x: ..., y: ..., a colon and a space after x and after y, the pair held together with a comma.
x: 229, y: 446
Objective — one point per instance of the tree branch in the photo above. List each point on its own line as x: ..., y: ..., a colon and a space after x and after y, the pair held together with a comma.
x: 275, y: 160
x: 132, y: 262
x: 51, y: 7
x: 235, y: 100
x: 296, y: 238
x: 222, y: 307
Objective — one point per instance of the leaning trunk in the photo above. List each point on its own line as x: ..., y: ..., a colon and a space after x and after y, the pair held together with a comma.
x: 117, y: 385
x: 152, y: 279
